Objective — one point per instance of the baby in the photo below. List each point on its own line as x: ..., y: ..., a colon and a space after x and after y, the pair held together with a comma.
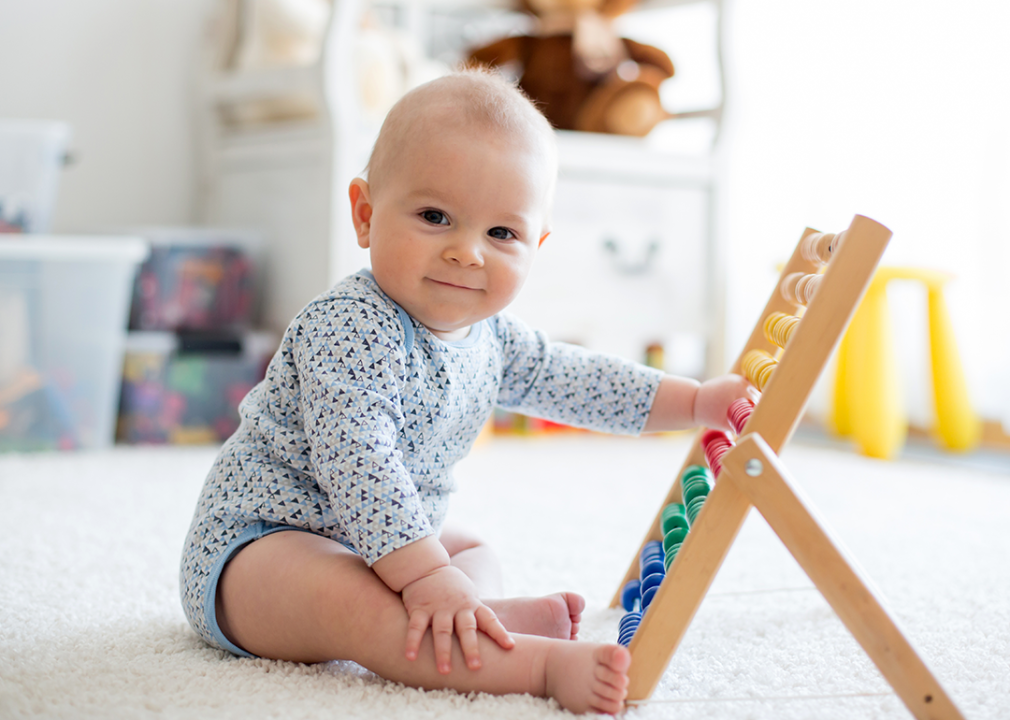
x: 318, y: 535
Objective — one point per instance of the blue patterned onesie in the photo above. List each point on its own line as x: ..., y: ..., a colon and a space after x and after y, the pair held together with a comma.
x: 361, y: 417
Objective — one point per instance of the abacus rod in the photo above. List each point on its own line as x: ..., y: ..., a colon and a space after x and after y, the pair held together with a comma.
x: 695, y: 456
x: 755, y: 469
x: 757, y: 340
x: 820, y: 330
x: 775, y: 416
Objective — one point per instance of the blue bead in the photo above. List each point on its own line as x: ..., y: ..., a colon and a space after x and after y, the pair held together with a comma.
x: 631, y: 618
x: 652, y: 566
x: 628, y: 631
x: 652, y: 581
x: 651, y: 548
x: 648, y: 595
x: 631, y: 595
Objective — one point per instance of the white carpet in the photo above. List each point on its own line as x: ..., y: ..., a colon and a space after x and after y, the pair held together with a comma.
x: 90, y: 622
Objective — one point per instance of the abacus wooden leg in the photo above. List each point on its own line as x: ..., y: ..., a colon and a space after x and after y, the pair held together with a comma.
x: 760, y: 476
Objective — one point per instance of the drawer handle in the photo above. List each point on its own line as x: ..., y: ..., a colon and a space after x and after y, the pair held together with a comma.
x: 627, y: 266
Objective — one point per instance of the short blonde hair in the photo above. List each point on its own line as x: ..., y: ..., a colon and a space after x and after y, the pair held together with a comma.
x: 472, y: 98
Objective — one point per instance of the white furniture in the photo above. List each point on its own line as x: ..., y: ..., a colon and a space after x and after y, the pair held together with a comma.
x: 633, y: 258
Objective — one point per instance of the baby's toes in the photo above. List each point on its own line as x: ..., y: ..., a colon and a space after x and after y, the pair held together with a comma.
x: 615, y: 678
x: 576, y: 604
x: 607, y: 698
x: 615, y: 658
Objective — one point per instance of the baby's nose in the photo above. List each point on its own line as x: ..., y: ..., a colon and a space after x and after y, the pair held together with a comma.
x: 465, y: 251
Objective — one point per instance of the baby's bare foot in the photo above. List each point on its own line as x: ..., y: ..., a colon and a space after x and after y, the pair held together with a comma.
x: 553, y: 616
x: 586, y: 677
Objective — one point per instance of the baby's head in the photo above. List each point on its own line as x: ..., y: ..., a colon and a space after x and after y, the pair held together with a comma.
x: 475, y: 100
x: 457, y: 200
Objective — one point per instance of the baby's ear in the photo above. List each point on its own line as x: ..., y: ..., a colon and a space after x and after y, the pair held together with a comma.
x: 543, y: 237
x: 361, y: 209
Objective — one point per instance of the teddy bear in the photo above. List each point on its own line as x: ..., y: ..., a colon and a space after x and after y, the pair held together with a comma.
x: 580, y: 73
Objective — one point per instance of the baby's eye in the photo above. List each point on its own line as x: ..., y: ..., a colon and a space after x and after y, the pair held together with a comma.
x: 435, y: 217
x: 501, y: 233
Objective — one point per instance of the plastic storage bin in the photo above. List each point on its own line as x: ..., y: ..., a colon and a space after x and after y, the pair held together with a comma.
x: 64, y: 304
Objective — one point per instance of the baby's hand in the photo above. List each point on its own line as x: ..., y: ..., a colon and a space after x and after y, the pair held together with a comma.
x: 447, y: 600
x: 715, y: 396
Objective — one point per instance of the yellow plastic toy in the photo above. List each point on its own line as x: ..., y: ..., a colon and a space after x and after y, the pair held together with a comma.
x: 867, y: 398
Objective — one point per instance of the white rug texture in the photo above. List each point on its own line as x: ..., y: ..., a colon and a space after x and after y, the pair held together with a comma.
x: 91, y: 625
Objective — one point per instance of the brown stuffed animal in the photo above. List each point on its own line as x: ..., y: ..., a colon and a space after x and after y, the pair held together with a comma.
x: 580, y: 73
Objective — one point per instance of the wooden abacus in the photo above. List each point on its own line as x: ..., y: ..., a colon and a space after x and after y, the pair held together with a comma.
x: 752, y: 475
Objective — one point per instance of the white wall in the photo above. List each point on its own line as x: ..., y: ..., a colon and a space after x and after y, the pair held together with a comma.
x: 894, y: 109
x: 120, y: 72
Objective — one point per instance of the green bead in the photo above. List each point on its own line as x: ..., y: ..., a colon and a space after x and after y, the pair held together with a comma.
x: 674, y: 537
x: 693, y: 508
x: 695, y: 471
x: 673, y: 515
x: 670, y: 556
x: 673, y: 509
x: 675, y: 521
x: 695, y: 490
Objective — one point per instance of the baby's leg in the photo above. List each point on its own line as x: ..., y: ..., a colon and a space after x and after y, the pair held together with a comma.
x: 302, y: 597
x: 555, y: 616
x: 475, y: 558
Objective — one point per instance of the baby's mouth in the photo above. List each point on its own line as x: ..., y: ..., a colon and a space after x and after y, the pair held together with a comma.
x: 452, y: 285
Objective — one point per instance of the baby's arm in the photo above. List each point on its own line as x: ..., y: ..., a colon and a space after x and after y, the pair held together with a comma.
x: 436, y: 593
x: 682, y: 403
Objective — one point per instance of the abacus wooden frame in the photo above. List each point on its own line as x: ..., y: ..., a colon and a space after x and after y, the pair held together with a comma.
x: 770, y: 426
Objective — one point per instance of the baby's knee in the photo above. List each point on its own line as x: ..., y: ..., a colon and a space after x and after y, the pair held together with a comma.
x: 457, y: 539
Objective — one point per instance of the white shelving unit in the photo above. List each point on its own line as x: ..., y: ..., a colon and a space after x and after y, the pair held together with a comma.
x: 633, y: 258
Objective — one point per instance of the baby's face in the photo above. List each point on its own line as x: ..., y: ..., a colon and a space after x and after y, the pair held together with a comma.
x: 455, y: 226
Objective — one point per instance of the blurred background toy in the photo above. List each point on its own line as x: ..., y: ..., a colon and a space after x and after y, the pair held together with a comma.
x: 260, y: 36
x: 186, y: 388
x: 187, y: 287
x: 32, y: 155
x: 581, y: 74
x: 267, y: 35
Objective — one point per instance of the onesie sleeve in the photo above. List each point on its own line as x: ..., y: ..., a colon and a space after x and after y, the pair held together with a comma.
x: 350, y: 360
x: 569, y: 384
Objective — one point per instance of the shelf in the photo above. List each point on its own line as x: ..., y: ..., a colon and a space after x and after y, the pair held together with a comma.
x: 256, y: 84
x: 617, y: 158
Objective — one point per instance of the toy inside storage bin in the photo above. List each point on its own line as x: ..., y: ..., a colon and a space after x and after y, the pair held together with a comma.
x: 64, y: 304
x: 197, y: 280
x: 186, y: 388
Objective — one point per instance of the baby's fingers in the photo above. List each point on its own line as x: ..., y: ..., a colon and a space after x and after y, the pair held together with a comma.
x: 441, y: 630
x: 489, y: 623
x: 416, y: 628
x: 466, y: 630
